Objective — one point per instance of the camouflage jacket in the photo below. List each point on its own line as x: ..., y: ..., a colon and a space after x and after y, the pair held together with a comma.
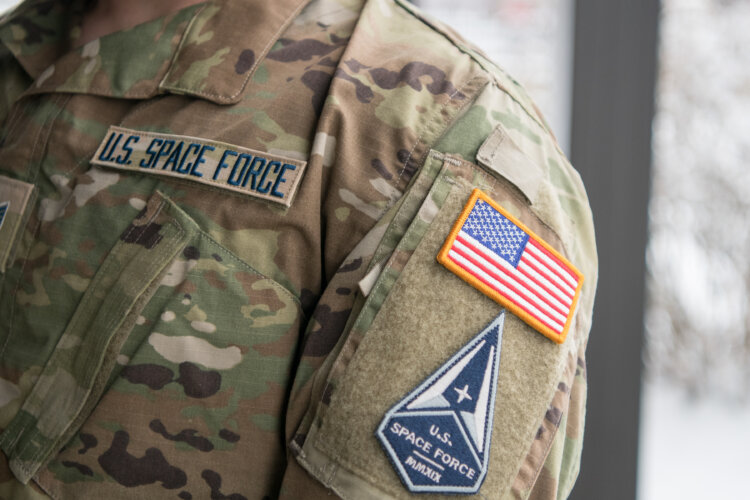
x: 218, y: 271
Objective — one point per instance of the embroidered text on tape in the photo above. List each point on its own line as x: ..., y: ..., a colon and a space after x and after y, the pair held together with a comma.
x: 234, y: 168
x: 438, y: 437
x: 499, y: 256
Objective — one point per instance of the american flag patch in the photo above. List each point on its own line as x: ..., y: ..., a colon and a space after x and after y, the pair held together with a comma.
x: 499, y: 256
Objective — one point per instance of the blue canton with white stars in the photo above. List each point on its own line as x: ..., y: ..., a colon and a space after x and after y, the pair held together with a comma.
x: 493, y: 230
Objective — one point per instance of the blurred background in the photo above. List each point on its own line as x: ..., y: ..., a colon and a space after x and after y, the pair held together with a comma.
x: 651, y: 100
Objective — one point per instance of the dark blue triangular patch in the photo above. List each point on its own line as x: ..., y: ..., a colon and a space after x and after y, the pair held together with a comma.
x: 438, y: 437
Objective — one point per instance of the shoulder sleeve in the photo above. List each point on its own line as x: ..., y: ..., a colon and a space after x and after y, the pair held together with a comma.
x: 503, y: 132
x: 454, y: 368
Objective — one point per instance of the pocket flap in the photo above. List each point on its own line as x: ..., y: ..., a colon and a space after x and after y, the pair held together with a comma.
x: 501, y: 155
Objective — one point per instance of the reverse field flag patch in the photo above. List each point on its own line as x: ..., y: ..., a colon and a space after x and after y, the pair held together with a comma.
x: 438, y: 436
x: 499, y: 256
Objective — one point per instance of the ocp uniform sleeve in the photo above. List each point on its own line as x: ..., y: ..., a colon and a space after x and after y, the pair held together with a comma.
x: 412, y: 317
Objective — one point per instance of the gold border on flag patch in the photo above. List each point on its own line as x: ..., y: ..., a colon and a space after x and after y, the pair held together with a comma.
x: 261, y: 175
x: 499, y: 256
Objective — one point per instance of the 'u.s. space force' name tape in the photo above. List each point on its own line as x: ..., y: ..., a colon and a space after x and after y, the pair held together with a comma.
x: 217, y: 164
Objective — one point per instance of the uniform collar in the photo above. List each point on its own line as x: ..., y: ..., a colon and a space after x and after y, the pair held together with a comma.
x: 208, y: 50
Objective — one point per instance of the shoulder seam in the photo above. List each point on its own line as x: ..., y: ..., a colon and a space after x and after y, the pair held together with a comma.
x: 481, y: 62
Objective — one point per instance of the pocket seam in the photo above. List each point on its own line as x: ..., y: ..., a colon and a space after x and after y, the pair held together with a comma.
x: 250, y: 268
x: 204, y: 233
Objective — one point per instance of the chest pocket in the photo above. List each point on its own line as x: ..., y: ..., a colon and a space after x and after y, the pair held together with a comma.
x: 177, y: 348
x: 416, y: 317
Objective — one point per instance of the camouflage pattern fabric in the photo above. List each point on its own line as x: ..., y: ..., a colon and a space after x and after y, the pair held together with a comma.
x: 163, y: 338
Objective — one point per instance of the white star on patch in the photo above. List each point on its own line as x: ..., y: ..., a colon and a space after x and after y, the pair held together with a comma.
x: 463, y: 393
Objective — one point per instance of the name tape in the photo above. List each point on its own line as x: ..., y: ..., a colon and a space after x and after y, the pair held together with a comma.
x: 224, y: 166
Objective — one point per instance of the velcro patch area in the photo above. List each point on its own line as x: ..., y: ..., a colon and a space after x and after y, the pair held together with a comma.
x: 15, y: 196
x: 499, y: 256
x: 217, y: 164
x: 438, y: 437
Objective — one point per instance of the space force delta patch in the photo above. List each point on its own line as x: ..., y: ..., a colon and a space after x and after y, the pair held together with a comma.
x: 499, y: 256
x: 438, y: 437
x: 217, y: 164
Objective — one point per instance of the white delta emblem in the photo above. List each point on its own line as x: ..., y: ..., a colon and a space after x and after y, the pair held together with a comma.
x: 438, y: 437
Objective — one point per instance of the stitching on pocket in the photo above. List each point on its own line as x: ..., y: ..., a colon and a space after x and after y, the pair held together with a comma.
x: 250, y: 268
x: 439, y: 113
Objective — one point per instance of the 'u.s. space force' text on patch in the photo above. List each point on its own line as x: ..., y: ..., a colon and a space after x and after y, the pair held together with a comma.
x: 217, y: 164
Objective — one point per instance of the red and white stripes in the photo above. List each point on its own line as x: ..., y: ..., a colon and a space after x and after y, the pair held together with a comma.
x: 540, y: 284
x: 498, y: 255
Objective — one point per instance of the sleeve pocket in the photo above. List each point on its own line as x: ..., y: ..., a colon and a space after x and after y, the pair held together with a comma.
x: 416, y: 318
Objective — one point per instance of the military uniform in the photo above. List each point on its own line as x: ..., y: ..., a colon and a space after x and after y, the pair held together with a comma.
x: 218, y: 260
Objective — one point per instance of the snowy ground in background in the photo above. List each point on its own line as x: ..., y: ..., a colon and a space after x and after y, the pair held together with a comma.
x: 691, y: 449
